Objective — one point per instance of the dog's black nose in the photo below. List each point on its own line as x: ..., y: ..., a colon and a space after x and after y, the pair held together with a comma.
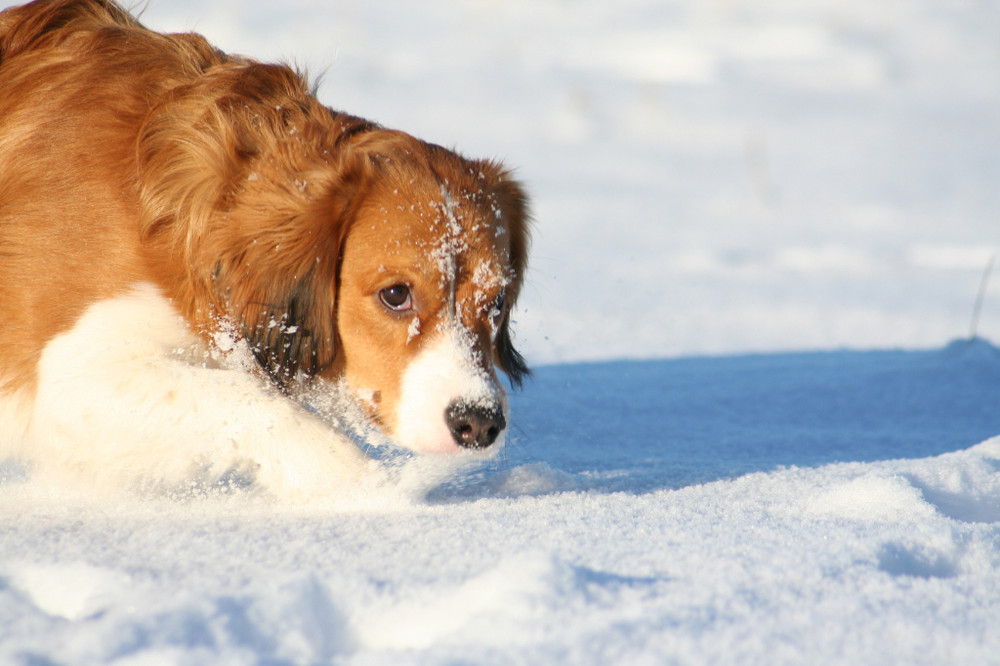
x: 474, y: 426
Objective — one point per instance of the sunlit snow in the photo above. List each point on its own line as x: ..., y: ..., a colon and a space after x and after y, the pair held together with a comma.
x: 709, y: 180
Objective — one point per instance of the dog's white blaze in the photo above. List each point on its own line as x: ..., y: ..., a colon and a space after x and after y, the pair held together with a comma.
x: 443, y: 372
x: 413, y: 330
x: 130, y: 397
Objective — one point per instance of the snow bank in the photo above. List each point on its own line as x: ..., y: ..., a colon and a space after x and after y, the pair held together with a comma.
x: 878, y: 563
x: 600, y: 537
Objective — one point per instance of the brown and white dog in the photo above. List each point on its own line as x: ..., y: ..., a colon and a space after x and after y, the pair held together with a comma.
x: 191, y: 246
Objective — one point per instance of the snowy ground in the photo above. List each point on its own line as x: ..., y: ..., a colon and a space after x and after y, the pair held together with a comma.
x: 780, y: 509
x: 718, y: 177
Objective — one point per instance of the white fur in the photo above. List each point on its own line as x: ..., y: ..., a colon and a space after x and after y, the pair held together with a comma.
x: 443, y: 372
x: 131, y: 398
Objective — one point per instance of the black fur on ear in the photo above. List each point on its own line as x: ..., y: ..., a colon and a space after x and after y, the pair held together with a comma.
x: 509, y: 359
x: 513, y: 210
x: 284, y: 336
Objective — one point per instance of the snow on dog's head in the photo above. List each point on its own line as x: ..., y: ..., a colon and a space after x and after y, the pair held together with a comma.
x: 430, y: 269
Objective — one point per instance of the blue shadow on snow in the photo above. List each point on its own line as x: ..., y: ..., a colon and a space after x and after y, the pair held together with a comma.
x: 638, y: 426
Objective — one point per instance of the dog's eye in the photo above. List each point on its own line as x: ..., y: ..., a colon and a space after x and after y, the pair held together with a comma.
x: 396, y: 298
x: 497, y: 309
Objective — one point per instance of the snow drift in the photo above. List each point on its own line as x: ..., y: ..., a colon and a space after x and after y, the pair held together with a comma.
x: 795, y: 508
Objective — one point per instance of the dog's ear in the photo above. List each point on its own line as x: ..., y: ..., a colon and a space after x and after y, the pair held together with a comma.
x: 283, y: 288
x: 513, y: 209
x: 246, y: 185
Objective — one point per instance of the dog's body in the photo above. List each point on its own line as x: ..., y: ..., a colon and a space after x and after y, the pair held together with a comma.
x: 190, y: 244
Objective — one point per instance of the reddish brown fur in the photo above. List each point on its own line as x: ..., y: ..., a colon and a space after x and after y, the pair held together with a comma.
x: 130, y: 156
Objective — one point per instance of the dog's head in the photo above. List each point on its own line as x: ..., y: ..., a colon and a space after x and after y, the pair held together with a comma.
x: 344, y: 252
x: 429, y: 270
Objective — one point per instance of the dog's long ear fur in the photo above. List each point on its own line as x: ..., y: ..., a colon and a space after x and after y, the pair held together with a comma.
x: 245, y: 183
x: 513, y: 207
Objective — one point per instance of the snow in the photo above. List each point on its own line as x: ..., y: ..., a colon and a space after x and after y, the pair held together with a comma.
x: 824, y: 507
x: 722, y: 190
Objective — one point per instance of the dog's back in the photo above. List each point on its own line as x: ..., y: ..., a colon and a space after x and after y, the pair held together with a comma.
x: 77, y: 78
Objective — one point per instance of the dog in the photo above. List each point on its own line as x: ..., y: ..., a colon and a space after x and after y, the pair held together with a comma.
x: 195, y: 254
